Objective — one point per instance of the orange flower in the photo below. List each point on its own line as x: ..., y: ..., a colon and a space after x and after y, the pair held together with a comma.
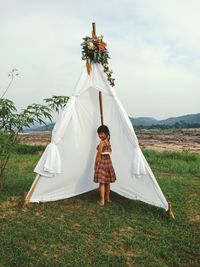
x: 102, y: 46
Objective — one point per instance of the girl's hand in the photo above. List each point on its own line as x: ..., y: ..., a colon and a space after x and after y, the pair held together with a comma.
x: 97, y: 161
x: 98, y: 155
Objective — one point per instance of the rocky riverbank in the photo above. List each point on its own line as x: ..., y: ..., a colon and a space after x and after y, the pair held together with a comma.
x: 176, y: 140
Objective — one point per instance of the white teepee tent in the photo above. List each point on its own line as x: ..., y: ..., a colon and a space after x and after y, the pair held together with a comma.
x: 66, y: 166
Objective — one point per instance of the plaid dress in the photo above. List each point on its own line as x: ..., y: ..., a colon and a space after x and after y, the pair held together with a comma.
x: 104, y: 171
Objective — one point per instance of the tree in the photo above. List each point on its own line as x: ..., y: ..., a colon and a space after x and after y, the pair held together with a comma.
x: 13, y: 122
x: 12, y: 74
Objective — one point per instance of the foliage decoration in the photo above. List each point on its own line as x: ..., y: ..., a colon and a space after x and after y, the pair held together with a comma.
x: 94, y: 49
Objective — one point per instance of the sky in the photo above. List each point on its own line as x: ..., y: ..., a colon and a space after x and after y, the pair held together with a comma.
x: 154, y: 47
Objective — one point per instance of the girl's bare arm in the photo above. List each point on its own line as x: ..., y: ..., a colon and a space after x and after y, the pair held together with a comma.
x: 98, y: 155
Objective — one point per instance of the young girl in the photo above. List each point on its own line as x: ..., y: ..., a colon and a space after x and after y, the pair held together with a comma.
x: 104, y: 173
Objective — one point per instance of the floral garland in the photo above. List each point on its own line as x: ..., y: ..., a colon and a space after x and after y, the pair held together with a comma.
x: 94, y: 49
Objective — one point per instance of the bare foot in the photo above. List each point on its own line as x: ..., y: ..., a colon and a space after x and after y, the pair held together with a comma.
x: 108, y: 200
x: 100, y: 203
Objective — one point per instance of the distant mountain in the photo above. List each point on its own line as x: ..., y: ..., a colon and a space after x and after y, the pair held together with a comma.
x: 190, y: 118
x: 38, y: 128
x: 144, y: 121
x: 148, y: 121
x: 49, y: 127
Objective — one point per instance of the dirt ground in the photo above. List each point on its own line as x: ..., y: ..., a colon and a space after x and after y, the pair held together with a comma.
x: 178, y: 140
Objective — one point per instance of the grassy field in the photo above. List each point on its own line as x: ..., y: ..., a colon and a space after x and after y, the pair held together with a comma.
x: 77, y: 232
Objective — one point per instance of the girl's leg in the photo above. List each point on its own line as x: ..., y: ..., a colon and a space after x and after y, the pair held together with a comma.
x: 107, y: 185
x: 102, y: 192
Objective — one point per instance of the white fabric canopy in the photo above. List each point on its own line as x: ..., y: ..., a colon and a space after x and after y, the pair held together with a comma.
x: 67, y: 164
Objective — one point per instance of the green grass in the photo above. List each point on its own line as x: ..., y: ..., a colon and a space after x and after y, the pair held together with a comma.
x: 77, y: 232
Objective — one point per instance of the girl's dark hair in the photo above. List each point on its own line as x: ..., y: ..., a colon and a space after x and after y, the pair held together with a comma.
x: 104, y: 129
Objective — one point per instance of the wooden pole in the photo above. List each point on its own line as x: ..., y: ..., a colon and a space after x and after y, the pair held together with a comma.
x: 100, y: 95
x: 94, y: 30
x: 169, y: 211
x: 101, y: 107
x: 88, y: 65
x: 88, y: 62
x: 28, y: 197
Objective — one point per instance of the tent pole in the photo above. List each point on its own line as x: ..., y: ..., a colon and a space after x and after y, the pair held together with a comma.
x: 88, y: 62
x: 101, y: 107
x: 88, y: 65
x: 28, y: 197
x: 94, y: 30
x: 169, y: 211
x: 100, y: 95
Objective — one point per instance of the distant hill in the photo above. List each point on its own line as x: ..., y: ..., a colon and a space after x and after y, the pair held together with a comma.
x: 190, y: 118
x: 144, y: 121
x: 148, y: 121
x: 49, y: 127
